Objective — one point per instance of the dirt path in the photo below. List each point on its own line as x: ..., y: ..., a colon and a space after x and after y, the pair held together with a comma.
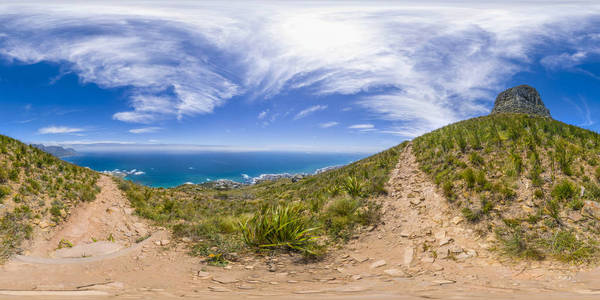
x: 98, y: 227
x: 419, y: 251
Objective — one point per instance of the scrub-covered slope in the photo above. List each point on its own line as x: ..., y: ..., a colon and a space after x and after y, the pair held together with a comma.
x: 37, y: 190
x: 530, y: 181
x: 305, y: 215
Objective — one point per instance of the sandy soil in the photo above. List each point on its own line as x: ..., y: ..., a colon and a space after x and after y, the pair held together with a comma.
x: 394, y: 260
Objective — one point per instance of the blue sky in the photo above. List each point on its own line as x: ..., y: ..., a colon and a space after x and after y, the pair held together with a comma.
x: 328, y: 76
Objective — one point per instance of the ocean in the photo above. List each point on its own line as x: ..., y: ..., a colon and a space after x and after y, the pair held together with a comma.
x: 173, y: 169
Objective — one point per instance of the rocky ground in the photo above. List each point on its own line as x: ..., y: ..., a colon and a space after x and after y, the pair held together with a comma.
x: 420, y: 250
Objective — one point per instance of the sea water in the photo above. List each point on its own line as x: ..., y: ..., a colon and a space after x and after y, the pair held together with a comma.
x: 173, y: 169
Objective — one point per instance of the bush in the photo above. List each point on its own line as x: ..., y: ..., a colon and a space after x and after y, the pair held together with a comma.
x: 4, y: 191
x: 3, y: 175
x: 565, y: 246
x: 352, y: 186
x: 515, y: 243
x: 576, y: 204
x: 565, y: 190
x: 476, y: 159
x: 448, y: 189
x: 538, y: 194
x: 469, y: 177
x: 470, y: 215
x: 281, y: 227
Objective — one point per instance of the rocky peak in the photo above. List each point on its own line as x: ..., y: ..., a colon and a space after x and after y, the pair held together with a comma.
x: 520, y: 99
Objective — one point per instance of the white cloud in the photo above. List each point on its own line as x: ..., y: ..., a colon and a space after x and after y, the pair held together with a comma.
x: 145, y: 130
x: 421, y: 66
x: 304, y: 113
x: 328, y: 124
x: 58, y: 130
x: 262, y: 114
x: 362, y: 126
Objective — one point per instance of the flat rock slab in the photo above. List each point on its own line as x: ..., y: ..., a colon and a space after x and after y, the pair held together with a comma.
x: 378, y: 264
x: 219, y: 289
x: 87, y: 250
x: 225, y: 280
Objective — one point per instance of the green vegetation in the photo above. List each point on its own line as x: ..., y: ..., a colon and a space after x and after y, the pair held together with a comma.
x: 32, y: 185
x: 286, y: 227
x: 508, y: 158
x: 304, y: 216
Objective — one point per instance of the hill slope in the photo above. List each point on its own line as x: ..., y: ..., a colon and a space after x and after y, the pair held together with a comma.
x: 36, y: 188
x: 281, y: 214
x: 530, y: 181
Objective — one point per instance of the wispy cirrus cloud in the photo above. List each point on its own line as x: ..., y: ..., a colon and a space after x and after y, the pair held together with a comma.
x: 418, y: 66
x: 262, y: 114
x: 145, y: 130
x: 362, y: 126
x: 328, y: 124
x: 59, y: 130
x: 308, y: 111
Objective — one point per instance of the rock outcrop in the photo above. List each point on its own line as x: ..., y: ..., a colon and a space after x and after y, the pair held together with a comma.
x: 520, y: 99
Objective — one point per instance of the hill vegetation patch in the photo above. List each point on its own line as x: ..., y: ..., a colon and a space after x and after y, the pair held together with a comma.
x: 530, y: 181
x: 36, y: 190
x: 304, y: 216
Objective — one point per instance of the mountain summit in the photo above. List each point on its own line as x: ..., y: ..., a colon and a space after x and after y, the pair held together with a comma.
x: 520, y: 99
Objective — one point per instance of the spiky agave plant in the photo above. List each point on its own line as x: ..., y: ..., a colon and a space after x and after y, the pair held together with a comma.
x: 353, y: 186
x: 283, y: 227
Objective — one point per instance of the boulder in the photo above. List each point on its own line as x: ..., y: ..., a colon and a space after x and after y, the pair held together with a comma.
x: 520, y: 99
x: 591, y: 209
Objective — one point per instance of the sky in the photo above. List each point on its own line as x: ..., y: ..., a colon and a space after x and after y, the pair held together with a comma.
x: 298, y: 76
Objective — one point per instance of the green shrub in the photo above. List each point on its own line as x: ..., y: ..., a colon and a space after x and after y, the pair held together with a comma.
x: 564, y: 157
x: 538, y: 194
x: 448, y: 190
x: 576, y: 204
x: 14, y: 174
x: 353, y: 186
x: 469, y: 176
x: 592, y: 192
x: 3, y: 175
x: 517, y: 163
x: 4, y: 191
x: 280, y: 227
x: 553, y: 209
x: 344, y: 207
x: 515, y: 243
x: 470, y: 215
x: 476, y: 159
x: 564, y: 190
x: 565, y: 246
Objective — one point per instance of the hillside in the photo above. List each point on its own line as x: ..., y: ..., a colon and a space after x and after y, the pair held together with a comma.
x: 305, y: 216
x: 530, y: 181
x: 37, y: 191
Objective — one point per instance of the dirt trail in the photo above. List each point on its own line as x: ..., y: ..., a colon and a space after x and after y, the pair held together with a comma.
x: 394, y: 260
x: 94, y: 227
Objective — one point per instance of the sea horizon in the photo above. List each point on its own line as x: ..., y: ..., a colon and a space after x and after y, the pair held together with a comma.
x: 170, y: 169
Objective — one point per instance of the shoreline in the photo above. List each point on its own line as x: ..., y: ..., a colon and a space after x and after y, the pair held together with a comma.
x: 228, y: 183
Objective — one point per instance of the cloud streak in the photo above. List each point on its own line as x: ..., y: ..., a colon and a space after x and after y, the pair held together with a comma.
x: 145, y: 130
x: 308, y: 111
x: 362, y: 126
x: 328, y: 124
x: 59, y: 130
